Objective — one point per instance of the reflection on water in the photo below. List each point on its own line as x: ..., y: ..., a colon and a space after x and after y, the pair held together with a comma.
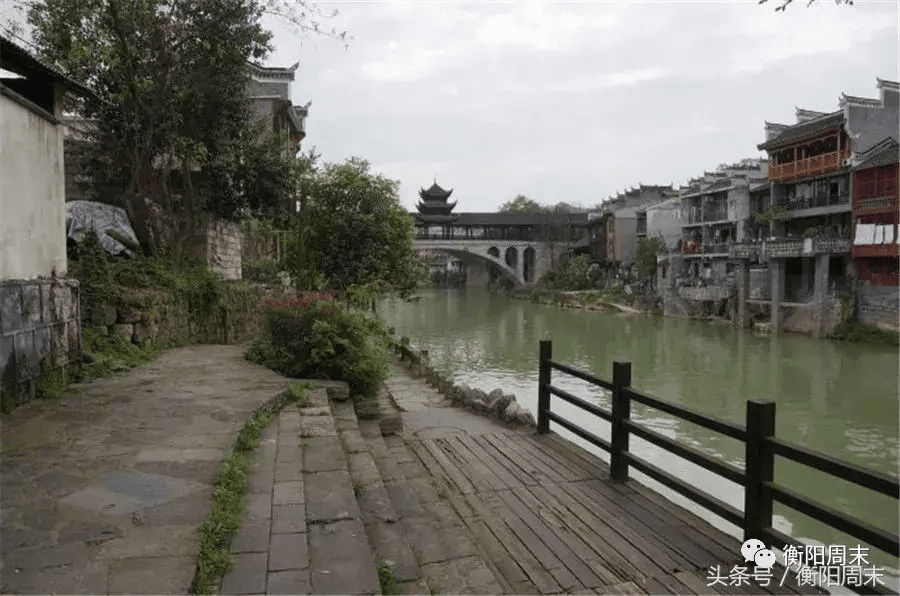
x: 834, y: 397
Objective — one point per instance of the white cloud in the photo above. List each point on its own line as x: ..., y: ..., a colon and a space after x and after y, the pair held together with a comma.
x: 576, y: 99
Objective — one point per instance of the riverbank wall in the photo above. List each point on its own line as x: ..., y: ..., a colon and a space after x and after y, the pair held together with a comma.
x: 496, y: 404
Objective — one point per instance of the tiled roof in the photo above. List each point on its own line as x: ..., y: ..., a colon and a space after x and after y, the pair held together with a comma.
x: 517, y: 219
x: 882, y: 154
x: 18, y: 60
x: 435, y: 192
x: 810, y: 128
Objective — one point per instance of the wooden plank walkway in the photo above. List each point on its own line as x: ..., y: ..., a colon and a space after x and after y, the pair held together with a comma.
x: 551, y: 521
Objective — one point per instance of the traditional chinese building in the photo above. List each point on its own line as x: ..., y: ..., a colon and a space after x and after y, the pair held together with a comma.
x: 875, y: 248
x: 808, y: 214
x: 435, y: 214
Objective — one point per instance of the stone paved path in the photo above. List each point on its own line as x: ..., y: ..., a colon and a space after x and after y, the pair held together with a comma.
x: 103, y: 489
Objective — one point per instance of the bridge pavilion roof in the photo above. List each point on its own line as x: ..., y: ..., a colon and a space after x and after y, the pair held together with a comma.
x: 508, y: 219
x: 434, y: 206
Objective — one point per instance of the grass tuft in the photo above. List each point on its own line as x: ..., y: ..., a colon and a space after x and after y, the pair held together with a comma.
x: 387, y: 577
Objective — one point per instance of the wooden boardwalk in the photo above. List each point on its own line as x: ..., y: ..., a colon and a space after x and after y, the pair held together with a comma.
x: 549, y: 520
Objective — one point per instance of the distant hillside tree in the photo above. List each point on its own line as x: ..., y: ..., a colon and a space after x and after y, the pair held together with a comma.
x: 523, y: 204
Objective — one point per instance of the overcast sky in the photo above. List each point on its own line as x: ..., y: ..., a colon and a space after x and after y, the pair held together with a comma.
x: 574, y: 101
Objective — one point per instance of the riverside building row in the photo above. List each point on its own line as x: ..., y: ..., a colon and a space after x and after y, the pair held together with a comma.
x: 796, y: 238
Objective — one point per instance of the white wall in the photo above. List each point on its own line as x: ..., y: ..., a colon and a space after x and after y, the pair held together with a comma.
x: 32, y: 194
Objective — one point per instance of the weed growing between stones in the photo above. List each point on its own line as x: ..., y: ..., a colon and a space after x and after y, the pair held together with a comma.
x: 229, y: 497
x: 296, y: 393
x: 387, y: 577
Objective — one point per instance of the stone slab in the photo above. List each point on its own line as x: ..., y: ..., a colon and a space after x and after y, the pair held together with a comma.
x: 390, y: 544
x: 126, y: 492
x: 461, y: 576
x: 252, y: 538
x: 317, y: 426
x: 288, y: 519
x: 292, y: 581
x: 288, y: 551
x: 285, y: 493
x: 323, y: 454
x: 151, y: 575
x: 341, y: 559
x: 248, y: 576
x: 330, y: 497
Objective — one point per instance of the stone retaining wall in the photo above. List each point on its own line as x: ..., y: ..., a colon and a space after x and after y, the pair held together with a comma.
x: 164, y: 317
x: 496, y: 404
x: 40, y: 333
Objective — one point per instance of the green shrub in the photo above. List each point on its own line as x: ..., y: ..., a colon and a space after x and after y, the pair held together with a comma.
x: 574, y: 274
x: 267, y: 271
x: 325, y: 340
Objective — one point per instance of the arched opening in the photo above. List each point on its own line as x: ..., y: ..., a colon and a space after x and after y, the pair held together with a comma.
x: 528, y: 262
x: 512, y: 258
x: 494, y: 252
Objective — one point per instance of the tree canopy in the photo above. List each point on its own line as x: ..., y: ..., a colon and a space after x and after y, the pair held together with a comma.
x: 172, y: 81
x: 353, y: 231
x: 523, y: 204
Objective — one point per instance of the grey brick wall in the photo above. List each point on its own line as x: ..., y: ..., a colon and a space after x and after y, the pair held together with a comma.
x: 40, y: 328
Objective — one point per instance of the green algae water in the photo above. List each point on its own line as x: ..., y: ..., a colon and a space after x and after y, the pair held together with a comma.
x: 835, y: 397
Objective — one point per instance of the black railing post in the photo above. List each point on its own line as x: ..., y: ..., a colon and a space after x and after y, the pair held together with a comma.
x: 621, y: 411
x: 546, y: 353
x: 760, y: 468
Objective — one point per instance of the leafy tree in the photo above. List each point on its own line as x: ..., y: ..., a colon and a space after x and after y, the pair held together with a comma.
x: 171, y: 78
x: 352, y: 232
x: 645, y: 256
x: 523, y: 204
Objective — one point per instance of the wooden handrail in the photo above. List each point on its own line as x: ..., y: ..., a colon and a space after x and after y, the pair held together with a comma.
x: 761, y: 449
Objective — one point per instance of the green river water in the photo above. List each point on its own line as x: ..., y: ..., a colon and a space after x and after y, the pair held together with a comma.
x: 835, y: 397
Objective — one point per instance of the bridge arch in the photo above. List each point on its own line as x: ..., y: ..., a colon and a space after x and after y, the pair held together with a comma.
x: 496, y: 265
x: 511, y: 257
x: 529, y: 261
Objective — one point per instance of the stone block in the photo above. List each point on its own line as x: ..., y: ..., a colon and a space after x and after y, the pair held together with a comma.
x: 129, y: 314
x: 31, y: 305
x: 341, y: 559
x: 248, y: 576
x: 123, y: 330
x: 61, y: 302
x: 288, y: 551
x: 330, y: 496
x: 288, y: 519
x: 11, y: 316
x: 43, y: 343
x: 27, y: 361
x: 46, y: 294
x: 252, y: 538
x: 291, y: 581
x: 103, y: 314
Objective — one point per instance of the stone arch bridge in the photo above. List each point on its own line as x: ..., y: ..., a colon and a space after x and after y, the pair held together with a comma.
x: 520, y: 261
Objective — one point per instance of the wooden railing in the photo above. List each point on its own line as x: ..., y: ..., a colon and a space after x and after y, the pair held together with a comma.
x: 757, y: 477
x: 809, y: 166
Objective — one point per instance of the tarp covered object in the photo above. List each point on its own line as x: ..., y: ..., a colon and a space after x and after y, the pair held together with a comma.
x: 82, y: 216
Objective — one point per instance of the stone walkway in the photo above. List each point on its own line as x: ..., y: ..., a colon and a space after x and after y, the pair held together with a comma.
x: 103, y: 490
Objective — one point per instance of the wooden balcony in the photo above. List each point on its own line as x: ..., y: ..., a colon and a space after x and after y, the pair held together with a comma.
x: 876, y: 205
x: 809, y: 166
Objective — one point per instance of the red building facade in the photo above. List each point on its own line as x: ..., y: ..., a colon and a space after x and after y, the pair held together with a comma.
x: 875, y: 212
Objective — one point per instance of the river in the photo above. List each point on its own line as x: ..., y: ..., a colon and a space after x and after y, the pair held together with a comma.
x: 835, y: 397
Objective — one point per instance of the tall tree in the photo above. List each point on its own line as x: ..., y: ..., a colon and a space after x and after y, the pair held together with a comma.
x: 172, y: 79
x: 523, y: 204
x: 353, y: 231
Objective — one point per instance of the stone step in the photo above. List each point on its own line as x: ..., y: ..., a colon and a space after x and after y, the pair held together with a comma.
x: 303, y: 532
x: 430, y: 546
